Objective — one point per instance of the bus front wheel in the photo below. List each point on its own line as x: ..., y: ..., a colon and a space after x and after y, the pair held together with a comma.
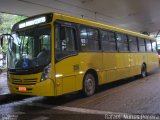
x: 89, y: 85
x: 143, y: 71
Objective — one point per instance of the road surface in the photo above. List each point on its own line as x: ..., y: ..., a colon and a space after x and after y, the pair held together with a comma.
x: 128, y: 98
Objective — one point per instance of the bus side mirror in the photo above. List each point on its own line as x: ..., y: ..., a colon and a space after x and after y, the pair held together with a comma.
x: 5, y: 37
x: 2, y: 41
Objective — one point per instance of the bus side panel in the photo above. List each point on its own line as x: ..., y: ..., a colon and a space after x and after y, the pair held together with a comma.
x: 116, y: 66
x: 71, y: 71
x: 140, y: 59
x: 123, y: 65
x: 109, y: 67
x: 86, y: 61
x: 59, y: 86
x: 155, y: 60
x: 65, y: 75
x: 79, y: 81
x: 149, y: 62
x: 135, y: 64
x: 152, y: 62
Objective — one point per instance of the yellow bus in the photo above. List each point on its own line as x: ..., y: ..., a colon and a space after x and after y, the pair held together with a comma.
x: 54, y: 54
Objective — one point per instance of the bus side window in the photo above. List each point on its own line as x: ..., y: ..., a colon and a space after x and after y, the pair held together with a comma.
x: 89, y: 39
x: 154, y: 46
x: 84, y: 38
x: 65, y: 41
x: 133, y: 44
x: 141, y: 44
x: 148, y: 45
x: 122, y: 42
x: 108, y: 41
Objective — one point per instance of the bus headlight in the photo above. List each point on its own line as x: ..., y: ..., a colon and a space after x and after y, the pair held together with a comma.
x: 46, y: 72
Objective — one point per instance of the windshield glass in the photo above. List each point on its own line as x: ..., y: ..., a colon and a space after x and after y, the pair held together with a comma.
x: 30, y: 48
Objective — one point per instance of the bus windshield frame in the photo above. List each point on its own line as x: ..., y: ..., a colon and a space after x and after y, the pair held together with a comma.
x: 30, y: 49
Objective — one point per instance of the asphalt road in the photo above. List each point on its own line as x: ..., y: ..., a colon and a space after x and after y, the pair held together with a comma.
x: 130, y: 98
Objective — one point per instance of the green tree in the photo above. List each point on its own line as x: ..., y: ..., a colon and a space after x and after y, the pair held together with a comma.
x: 6, y: 23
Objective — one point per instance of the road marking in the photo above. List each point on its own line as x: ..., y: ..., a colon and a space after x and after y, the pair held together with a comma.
x: 41, y: 105
x: 77, y: 110
x: 18, y: 113
x: 41, y: 118
x: 84, y: 110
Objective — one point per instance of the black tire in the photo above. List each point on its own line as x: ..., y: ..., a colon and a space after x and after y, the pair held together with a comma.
x: 89, y: 85
x: 143, y: 71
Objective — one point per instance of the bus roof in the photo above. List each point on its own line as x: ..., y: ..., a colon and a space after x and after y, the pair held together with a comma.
x: 100, y: 25
x: 86, y: 22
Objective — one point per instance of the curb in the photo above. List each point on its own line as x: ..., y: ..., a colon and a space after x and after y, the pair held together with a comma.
x: 8, y: 98
x: 4, y: 96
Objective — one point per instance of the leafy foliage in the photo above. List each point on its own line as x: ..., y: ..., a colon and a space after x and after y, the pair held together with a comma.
x: 6, y: 23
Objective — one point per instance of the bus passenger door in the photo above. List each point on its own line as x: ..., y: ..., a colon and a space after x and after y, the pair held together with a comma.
x: 65, y: 55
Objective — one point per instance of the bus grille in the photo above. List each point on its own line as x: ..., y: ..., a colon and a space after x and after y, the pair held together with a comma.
x: 25, y: 81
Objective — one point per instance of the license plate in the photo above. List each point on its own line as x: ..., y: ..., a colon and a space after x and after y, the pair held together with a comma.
x: 22, y: 89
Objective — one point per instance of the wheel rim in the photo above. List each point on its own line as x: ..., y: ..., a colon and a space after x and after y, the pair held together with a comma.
x: 89, y: 85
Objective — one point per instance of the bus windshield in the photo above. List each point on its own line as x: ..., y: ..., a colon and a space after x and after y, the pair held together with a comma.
x: 30, y: 48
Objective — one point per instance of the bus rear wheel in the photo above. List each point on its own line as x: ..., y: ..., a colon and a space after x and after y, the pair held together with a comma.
x: 89, y: 85
x: 143, y: 71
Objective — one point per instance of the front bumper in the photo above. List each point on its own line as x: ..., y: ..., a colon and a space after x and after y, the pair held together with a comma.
x: 32, y: 84
x: 45, y: 88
